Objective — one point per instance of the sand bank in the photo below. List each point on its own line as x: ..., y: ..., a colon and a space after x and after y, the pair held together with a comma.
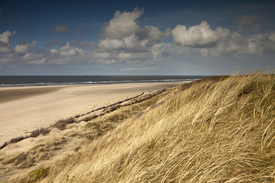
x: 24, y: 109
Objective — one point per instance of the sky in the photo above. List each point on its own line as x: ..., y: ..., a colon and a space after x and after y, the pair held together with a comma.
x: 106, y: 37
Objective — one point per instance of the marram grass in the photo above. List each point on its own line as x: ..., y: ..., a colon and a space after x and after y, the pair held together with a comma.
x: 218, y: 129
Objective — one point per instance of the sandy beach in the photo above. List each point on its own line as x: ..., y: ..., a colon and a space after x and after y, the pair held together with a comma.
x: 24, y: 109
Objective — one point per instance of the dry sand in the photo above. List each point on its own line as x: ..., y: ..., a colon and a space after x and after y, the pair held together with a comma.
x: 24, y: 109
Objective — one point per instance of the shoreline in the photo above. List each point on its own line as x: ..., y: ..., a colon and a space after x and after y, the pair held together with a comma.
x: 30, y: 108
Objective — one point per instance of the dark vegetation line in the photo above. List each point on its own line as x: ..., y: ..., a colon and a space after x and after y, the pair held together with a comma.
x: 111, y: 105
x: 34, y: 133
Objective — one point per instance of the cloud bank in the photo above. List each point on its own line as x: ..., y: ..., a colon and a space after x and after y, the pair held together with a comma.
x: 25, y: 47
x: 124, y: 40
x: 199, y: 35
x: 221, y: 41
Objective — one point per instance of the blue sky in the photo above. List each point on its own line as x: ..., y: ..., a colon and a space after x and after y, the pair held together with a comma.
x: 54, y: 37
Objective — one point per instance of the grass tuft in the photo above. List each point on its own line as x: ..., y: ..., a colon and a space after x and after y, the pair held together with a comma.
x: 17, y: 139
x: 61, y: 124
x: 43, y: 131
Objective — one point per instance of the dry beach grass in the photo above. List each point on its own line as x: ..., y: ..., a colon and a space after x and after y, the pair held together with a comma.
x: 219, y: 129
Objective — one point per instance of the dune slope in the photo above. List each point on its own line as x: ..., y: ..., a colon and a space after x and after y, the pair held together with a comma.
x: 219, y: 129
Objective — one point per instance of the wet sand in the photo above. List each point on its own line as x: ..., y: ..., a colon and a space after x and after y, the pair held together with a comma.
x: 10, y: 94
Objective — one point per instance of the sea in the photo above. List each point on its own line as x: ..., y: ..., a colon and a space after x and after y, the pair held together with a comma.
x: 21, y: 81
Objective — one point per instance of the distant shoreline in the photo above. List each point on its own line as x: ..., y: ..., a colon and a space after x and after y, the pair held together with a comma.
x: 22, y: 81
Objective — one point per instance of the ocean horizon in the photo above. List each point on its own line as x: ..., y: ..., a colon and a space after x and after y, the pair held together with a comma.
x: 21, y: 81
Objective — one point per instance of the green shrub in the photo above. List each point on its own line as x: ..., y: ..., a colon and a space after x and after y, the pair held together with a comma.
x: 36, y: 175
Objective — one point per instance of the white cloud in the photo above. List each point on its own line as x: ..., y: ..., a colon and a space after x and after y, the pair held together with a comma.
x: 37, y: 62
x: 60, y: 29
x: 66, y: 55
x: 24, y: 48
x: 272, y: 36
x: 153, y: 33
x: 32, y: 56
x: 8, y: 58
x: 159, y: 51
x: 53, y: 51
x: 139, y: 69
x: 102, y: 55
x: 4, y: 47
x: 67, y: 50
x: 108, y: 44
x: 121, y: 56
x: 254, y: 47
x: 4, y: 41
x: 125, y: 56
x: 21, y: 48
x: 6, y: 36
x: 237, y: 45
x: 199, y: 35
x: 122, y: 25
x: 220, y: 41
x: 125, y: 41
